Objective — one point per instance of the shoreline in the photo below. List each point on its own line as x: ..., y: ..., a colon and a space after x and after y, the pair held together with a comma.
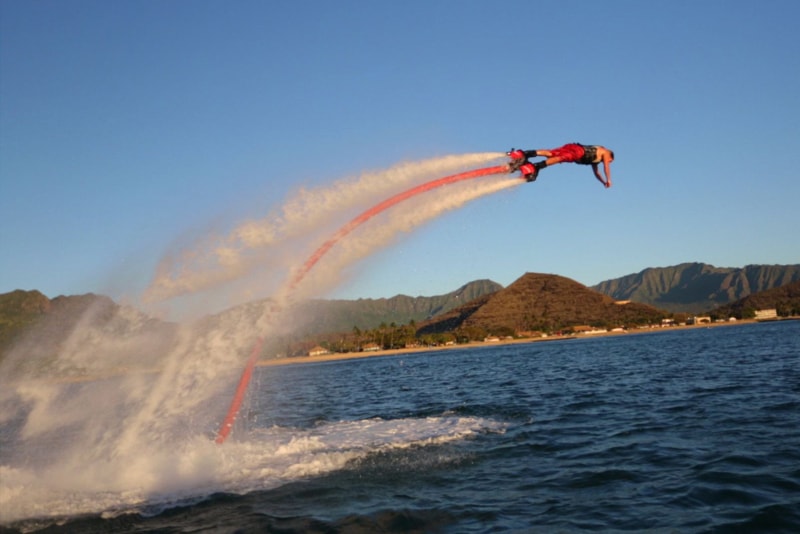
x: 335, y: 357
x: 342, y: 356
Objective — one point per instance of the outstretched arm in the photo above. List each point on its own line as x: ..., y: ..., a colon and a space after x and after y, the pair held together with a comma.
x: 596, y: 170
x: 607, y: 168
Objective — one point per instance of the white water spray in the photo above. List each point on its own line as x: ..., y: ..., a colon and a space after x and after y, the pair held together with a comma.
x: 383, y: 232
x: 137, y: 433
x: 270, y: 243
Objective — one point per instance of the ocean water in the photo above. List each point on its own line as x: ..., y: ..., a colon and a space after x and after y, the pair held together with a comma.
x: 674, y: 431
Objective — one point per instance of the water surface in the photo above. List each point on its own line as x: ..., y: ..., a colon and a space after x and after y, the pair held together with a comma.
x: 675, y: 431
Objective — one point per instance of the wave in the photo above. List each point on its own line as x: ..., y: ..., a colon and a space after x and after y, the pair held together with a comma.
x: 265, y: 459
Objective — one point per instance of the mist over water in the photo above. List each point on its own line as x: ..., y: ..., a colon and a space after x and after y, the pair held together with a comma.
x: 118, y: 416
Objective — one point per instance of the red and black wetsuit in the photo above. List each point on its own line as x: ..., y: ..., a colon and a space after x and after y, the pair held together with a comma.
x: 576, y: 153
x: 569, y: 153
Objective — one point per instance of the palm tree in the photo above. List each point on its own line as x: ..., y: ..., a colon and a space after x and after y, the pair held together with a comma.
x: 383, y: 331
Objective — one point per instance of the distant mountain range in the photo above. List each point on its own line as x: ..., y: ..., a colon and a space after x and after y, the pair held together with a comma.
x: 697, y: 287
x: 342, y: 315
x: 533, y: 302
x: 689, y: 288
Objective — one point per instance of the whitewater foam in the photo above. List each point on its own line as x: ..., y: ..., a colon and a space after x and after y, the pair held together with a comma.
x: 263, y: 459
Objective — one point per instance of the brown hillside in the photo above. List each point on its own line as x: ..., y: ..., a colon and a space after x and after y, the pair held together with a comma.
x: 546, y: 302
x: 785, y: 299
x: 452, y: 320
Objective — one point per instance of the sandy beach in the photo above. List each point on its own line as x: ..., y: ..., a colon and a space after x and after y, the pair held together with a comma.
x: 396, y: 352
x: 299, y: 360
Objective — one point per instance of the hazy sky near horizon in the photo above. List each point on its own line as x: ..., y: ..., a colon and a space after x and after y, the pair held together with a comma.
x: 127, y: 127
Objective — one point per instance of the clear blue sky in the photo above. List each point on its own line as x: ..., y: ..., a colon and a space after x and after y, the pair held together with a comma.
x: 126, y: 126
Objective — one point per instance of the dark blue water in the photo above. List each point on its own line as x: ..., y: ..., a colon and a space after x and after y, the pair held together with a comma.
x: 676, y: 431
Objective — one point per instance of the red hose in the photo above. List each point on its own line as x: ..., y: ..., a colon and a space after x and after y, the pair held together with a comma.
x: 241, y: 389
x: 386, y: 204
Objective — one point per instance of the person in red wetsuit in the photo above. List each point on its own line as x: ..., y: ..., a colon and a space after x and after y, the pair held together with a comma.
x: 592, y: 155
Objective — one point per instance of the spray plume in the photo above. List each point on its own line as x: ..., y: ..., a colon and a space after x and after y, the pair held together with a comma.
x: 141, y: 431
x: 289, y: 290
x: 264, y: 244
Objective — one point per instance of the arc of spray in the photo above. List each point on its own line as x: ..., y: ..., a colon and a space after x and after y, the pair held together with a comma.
x: 227, y: 424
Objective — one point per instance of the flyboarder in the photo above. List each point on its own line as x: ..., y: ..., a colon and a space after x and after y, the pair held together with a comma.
x: 592, y: 155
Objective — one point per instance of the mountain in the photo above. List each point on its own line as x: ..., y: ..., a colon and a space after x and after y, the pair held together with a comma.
x: 342, y: 315
x: 542, y: 302
x: 785, y: 300
x: 18, y: 310
x: 39, y: 328
x: 697, y: 287
x: 42, y: 326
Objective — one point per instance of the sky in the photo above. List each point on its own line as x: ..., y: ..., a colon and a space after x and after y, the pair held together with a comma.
x: 131, y: 128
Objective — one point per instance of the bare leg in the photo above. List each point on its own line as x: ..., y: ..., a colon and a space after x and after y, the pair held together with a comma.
x: 538, y: 153
x: 551, y: 160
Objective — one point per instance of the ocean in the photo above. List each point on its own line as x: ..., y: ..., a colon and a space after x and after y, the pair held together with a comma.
x: 694, y: 430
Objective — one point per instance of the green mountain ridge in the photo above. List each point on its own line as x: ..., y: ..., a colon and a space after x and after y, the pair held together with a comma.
x: 533, y: 302
x: 42, y: 328
x: 342, y: 315
x: 697, y: 287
